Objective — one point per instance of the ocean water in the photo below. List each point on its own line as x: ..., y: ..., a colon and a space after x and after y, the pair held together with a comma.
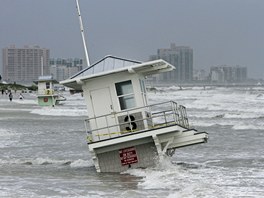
x: 43, y: 150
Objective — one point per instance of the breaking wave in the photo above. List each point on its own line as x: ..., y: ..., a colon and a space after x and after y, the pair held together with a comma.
x: 236, y: 124
x: 60, y: 111
x: 180, y: 180
x: 47, y: 161
x: 243, y: 126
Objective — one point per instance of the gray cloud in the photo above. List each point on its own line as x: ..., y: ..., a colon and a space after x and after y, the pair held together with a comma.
x: 220, y: 31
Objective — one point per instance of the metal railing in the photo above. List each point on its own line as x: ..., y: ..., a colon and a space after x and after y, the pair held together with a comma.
x: 136, y: 120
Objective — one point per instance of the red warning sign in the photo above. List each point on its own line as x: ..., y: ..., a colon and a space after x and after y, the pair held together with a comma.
x: 128, y: 156
x: 45, y: 99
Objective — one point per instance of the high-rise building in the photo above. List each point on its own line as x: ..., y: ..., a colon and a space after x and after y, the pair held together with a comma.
x: 200, y: 75
x: 179, y: 56
x: 62, y: 69
x: 228, y: 74
x: 24, y: 65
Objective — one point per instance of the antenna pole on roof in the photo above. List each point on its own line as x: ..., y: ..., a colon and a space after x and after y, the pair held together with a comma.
x: 82, y: 33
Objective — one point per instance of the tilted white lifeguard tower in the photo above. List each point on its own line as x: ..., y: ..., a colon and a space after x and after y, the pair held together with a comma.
x: 46, y: 94
x: 124, y: 131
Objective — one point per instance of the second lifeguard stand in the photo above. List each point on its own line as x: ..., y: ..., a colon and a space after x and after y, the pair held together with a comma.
x: 47, y: 96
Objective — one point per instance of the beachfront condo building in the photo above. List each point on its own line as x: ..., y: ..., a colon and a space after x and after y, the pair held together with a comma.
x: 62, y: 68
x: 25, y: 65
x: 181, y: 57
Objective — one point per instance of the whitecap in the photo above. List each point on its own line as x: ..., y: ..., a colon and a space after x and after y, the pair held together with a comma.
x: 25, y: 101
x: 244, y: 126
x: 243, y: 115
x: 56, y: 111
x: 8, y: 137
x: 48, y: 161
x: 81, y: 163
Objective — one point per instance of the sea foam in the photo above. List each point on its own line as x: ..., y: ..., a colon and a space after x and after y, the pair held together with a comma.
x: 60, y: 111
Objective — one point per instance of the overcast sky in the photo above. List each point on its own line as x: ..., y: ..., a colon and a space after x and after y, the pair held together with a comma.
x: 221, y: 32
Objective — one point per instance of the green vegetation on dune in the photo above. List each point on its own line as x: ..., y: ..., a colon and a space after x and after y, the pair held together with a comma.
x: 15, y: 86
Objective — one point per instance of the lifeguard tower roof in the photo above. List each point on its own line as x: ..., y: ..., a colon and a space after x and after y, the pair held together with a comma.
x: 42, y: 78
x: 112, y: 64
x: 46, y: 79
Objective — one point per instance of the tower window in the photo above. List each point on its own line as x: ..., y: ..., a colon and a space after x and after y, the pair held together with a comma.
x: 125, y: 94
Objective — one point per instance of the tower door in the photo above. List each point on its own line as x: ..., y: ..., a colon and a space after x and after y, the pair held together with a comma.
x: 101, y: 101
x: 102, y: 105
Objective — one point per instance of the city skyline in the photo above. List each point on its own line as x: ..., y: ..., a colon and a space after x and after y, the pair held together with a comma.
x: 226, y: 32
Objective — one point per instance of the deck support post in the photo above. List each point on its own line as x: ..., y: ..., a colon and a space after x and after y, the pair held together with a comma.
x: 158, y: 147
x: 167, y: 145
x: 95, y: 160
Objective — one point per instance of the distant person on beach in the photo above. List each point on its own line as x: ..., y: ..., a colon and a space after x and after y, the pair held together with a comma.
x: 10, y: 96
x: 21, y: 97
x: 3, y: 91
